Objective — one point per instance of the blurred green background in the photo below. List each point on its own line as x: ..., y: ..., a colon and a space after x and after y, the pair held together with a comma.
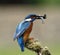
x: 41, y: 1
x: 48, y: 34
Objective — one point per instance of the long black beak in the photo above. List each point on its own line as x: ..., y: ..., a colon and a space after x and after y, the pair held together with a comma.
x: 41, y: 17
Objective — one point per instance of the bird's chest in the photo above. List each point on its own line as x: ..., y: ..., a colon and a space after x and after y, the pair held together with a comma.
x: 28, y: 31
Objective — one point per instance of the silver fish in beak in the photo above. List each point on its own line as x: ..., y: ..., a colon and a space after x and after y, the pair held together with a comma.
x: 43, y: 21
x: 42, y: 18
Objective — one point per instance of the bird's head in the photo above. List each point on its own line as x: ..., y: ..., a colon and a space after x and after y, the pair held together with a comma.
x: 32, y: 17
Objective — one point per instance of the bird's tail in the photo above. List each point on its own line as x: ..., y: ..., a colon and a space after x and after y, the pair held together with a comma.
x: 21, y: 43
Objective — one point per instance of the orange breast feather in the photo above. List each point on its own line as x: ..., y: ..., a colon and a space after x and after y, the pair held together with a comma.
x: 27, y: 32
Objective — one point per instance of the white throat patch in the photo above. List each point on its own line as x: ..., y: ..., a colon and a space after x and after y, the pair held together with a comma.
x: 28, y: 19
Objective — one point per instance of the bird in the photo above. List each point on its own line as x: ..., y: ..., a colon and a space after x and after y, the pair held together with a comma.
x: 24, y: 29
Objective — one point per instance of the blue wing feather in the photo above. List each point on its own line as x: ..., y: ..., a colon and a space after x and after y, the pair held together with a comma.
x: 21, y: 43
x: 21, y: 28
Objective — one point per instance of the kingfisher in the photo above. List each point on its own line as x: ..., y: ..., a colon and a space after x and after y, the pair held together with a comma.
x: 24, y: 29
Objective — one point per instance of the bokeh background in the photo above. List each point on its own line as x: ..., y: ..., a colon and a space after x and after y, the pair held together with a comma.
x: 14, y: 11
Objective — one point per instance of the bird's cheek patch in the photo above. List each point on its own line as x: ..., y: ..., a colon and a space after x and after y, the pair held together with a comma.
x: 28, y: 19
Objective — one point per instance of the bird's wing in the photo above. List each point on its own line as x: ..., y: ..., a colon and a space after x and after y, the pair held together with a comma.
x: 21, y: 28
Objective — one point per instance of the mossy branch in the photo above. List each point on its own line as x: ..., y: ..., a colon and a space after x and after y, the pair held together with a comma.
x: 35, y: 45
